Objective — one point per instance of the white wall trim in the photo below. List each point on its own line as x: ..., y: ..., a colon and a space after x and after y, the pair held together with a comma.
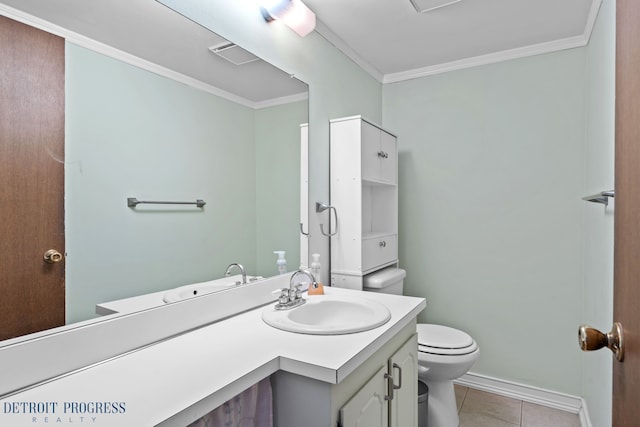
x: 505, y: 55
x: 591, y: 19
x: 527, y: 393
x: 330, y: 36
x: 491, y: 58
x: 340, y: 44
x: 96, y: 46
x: 281, y: 101
x: 585, y: 420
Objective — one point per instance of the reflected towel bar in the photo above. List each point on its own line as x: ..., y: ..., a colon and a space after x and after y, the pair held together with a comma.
x: 602, y: 197
x: 132, y: 202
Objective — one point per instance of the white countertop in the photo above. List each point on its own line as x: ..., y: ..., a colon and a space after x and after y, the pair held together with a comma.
x: 156, y: 299
x: 208, y: 365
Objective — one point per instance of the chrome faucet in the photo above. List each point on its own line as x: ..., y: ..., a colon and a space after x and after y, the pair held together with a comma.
x: 241, y: 268
x: 292, y: 296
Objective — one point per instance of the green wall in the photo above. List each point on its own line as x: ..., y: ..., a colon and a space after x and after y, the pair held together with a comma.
x: 130, y: 133
x: 494, y: 161
x: 598, y: 233
x: 337, y: 86
x: 277, y: 135
x: 127, y: 132
x: 491, y: 176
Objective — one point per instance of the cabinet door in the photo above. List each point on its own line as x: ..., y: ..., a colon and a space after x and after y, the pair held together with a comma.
x: 403, y: 367
x: 388, y: 160
x: 370, y: 152
x: 368, y: 407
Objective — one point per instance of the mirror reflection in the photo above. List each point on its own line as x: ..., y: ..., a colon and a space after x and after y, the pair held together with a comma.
x: 133, y: 133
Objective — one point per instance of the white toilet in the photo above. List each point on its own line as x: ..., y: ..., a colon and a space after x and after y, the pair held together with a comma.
x: 444, y: 353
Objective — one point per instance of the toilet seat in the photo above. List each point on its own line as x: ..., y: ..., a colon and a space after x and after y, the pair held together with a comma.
x: 442, y: 340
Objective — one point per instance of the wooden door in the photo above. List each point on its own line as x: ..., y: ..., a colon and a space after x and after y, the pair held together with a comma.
x: 32, y: 294
x: 626, y: 375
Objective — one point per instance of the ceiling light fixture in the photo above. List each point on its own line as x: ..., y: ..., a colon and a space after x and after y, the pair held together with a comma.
x: 293, y: 13
x: 423, y: 6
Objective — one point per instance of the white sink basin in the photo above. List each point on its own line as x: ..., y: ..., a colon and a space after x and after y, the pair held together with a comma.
x: 202, y: 288
x: 329, y: 315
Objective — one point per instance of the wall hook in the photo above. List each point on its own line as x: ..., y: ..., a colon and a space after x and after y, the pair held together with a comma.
x: 602, y: 197
x: 321, y: 207
x: 302, y: 230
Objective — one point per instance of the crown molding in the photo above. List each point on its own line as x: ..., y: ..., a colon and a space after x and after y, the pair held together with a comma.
x: 281, y: 101
x: 491, y: 58
x: 104, y: 49
x: 591, y: 19
x: 537, y: 49
x: 506, y: 55
x: 342, y: 46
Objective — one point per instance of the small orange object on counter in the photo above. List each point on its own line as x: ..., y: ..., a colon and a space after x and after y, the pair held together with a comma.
x: 316, y: 289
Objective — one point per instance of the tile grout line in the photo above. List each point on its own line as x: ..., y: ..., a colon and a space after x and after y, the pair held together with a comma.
x: 521, y: 413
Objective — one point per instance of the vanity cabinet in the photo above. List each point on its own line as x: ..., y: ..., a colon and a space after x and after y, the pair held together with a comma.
x: 389, y: 398
x: 364, y: 192
x: 359, y: 398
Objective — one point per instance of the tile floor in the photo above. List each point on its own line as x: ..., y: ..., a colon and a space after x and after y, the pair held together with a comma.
x: 481, y: 409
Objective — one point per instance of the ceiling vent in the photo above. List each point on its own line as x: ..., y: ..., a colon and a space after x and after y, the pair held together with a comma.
x: 423, y: 6
x: 233, y: 53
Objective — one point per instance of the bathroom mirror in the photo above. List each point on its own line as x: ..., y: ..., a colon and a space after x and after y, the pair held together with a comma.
x: 167, y: 121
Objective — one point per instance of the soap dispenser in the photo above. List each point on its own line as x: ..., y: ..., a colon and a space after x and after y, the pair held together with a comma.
x: 315, y: 267
x: 281, y: 263
x: 316, y: 288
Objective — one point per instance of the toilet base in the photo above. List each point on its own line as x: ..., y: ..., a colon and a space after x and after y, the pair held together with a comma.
x: 443, y: 409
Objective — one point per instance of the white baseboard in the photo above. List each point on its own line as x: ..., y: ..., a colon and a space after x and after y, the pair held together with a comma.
x: 527, y: 393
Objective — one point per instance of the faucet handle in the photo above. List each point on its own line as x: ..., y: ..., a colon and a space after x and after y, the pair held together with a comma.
x: 284, y: 296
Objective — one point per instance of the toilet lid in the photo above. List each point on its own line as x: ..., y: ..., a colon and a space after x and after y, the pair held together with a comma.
x: 438, y: 339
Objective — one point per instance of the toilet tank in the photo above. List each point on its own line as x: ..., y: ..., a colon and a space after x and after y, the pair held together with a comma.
x: 389, y: 280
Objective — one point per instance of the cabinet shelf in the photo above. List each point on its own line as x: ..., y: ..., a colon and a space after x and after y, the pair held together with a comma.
x: 373, y: 183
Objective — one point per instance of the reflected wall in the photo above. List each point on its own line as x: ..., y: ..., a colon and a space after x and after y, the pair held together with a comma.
x: 131, y: 133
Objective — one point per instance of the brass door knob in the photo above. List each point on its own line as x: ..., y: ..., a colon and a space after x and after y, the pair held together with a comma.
x: 592, y: 339
x: 52, y: 256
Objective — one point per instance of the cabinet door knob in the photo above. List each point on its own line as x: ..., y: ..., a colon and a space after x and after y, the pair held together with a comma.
x: 383, y: 244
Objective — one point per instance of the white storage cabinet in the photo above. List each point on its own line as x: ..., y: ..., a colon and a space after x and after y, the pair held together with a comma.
x: 364, y: 191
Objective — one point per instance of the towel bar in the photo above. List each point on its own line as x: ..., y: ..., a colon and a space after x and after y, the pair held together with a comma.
x: 132, y: 202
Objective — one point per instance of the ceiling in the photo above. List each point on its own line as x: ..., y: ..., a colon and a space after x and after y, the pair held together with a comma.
x: 388, y: 38
x: 394, y: 42
x: 159, y: 39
